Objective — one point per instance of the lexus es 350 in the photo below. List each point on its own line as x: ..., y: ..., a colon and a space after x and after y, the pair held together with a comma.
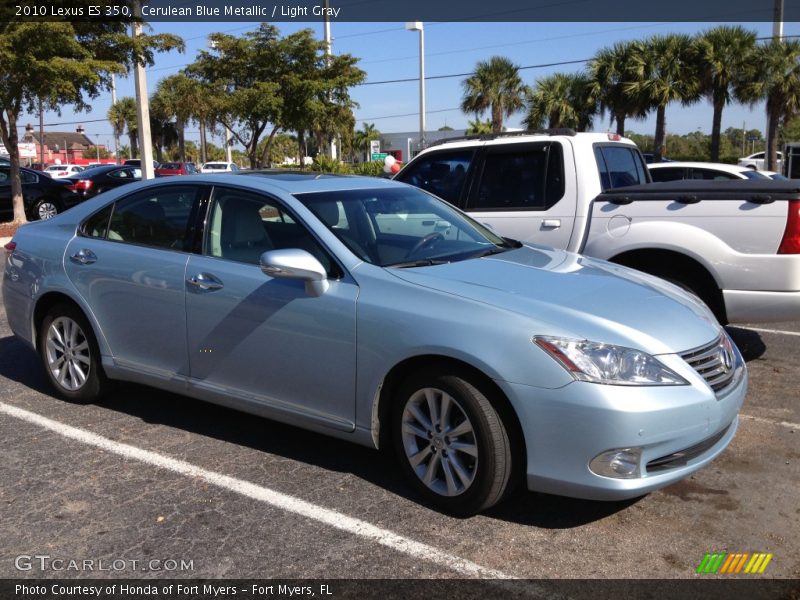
x: 372, y: 311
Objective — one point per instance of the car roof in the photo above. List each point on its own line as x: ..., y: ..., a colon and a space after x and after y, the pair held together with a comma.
x: 700, y: 165
x: 519, y: 137
x: 291, y: 182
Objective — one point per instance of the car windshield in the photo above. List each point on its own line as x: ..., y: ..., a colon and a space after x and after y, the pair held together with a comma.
x: 215, y: 166
x: 402, y: 227
x: 750, y: 174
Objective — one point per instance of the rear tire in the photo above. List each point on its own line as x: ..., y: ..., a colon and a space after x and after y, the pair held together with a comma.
x: 451, y: 443
x: 45, y: 208
x: 70, y: 355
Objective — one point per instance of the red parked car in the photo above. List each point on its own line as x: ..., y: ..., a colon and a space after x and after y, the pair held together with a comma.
x: 176, y: 168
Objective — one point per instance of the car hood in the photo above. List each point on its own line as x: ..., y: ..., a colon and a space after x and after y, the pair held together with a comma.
x: 570, y: 295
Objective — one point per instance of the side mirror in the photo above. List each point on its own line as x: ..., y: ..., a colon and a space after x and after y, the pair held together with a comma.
x: 293, y: 263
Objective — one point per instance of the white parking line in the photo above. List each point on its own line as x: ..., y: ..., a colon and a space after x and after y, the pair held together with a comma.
x: 789, y: 424
x: 263, y: 494
x: 778, y: 331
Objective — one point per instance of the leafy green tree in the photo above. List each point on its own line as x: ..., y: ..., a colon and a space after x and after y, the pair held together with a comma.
x: 494, y: 86
x: 445, y: 128
x: 666, y: 71
x: 774, y: 75
x: 261, y: 80
x: 562, y: 100
x: 723, y: 54
x: 610, y: 73
x: 58, y: 63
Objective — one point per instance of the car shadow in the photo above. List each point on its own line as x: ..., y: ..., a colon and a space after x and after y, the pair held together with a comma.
x: 20, y: 364
x: 749, y: 342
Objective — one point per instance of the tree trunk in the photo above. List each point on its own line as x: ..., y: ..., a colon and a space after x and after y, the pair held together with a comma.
x: 716, y: 127
x: 771, y: 157
x: 301, y: 147
x: 620, y: 119
x: 181, y: 139
x: 10, y: 141
x: 661, y: 125
x: 267, y: 147
x: 203, y: 141
x: 134, y: 140
x: 497, y: 118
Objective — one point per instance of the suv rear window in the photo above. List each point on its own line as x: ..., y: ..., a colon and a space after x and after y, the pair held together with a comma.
x: 619, y: 166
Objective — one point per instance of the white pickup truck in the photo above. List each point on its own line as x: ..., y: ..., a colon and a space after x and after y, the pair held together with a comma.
x: 734, y: 244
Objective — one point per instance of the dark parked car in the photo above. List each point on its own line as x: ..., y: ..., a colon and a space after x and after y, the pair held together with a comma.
x: 136, y: 162
x: 44, y: 197
x: 176, y: 168
x: 99, y: 179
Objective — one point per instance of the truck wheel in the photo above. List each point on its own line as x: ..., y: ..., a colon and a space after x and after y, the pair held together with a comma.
x: 451, y: 443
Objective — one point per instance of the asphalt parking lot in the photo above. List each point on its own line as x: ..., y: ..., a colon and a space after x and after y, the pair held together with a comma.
x: 207, y: 492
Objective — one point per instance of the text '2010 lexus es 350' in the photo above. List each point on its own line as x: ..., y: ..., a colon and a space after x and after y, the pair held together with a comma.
x: 372, y: 311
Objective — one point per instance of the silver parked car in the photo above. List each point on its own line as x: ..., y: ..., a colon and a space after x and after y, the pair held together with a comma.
x: 372, y: 311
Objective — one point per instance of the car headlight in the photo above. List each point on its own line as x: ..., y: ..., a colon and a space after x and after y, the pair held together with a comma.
x: 605, y: 363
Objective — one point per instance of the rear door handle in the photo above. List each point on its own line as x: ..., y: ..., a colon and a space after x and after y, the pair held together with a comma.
x: 84, y: 257
x: 551, y: 223
x: 205, y: 281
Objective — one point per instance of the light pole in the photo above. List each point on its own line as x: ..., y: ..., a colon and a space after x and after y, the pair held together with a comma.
x: 142, y: 104
x: 417, y: 26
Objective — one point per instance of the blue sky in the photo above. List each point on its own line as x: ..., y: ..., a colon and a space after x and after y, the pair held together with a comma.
x: 387, y: 51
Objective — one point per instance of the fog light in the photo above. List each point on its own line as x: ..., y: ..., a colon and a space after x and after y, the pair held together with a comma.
x: 622, y: 463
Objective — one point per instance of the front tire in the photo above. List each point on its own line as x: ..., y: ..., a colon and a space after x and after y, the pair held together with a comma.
x: 70, y: 354
x: 451, y: 443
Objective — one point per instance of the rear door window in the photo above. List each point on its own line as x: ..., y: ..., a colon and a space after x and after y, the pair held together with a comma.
x: 521, y: 177
x: 157, y: 217
x: 440, y: 173
x: 619, y: 166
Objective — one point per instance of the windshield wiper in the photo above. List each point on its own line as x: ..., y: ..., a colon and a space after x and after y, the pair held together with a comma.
x: 425, y: 262
x: 490, y: 251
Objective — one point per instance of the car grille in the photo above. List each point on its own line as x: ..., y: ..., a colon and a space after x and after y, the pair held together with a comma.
x: 682, y: 458
x: 715, y: 362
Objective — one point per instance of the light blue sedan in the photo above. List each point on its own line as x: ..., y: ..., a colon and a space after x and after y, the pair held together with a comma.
x: 372, y: 311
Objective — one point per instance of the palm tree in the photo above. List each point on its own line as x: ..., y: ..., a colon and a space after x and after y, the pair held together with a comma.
x: 362, y: 138
x: 562, y: 100
x: 494, y: 86
x: 178, y: 95
x: 122, y: 115
x: 724, y: 54
x: 666, y: 71
x: 610, y: 72
x: 478, y: 127
x: 774, y: 74
x: 162, y: 130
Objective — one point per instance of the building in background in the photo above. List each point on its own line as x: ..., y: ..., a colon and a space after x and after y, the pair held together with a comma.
x: 65, y: 147
x: 405, y: 145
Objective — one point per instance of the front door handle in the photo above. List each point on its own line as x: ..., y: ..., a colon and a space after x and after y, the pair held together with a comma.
x: 551, y: 223
x: 84, y: 257
x: 205, y: 281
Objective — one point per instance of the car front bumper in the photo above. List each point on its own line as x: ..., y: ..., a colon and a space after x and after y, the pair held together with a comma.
x: 681, y: 427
